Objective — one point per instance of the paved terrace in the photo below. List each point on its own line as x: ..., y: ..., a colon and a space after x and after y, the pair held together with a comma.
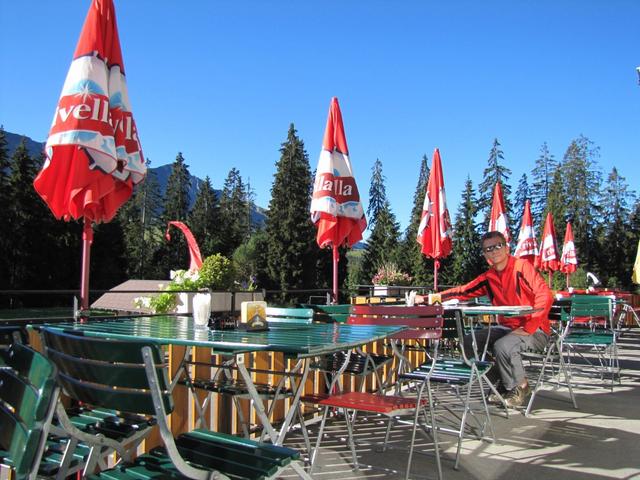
x: 600, y: 440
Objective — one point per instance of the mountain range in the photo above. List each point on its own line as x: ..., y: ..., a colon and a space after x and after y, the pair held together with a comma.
x: 35, y: 149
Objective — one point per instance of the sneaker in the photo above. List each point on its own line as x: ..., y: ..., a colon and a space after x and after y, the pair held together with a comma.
x: 493, y: 398
x: 516, y: 397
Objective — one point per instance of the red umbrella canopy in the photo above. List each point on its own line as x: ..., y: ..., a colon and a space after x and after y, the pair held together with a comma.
x: 93, y: 152
x: 527, y: 244
x: 568, y: 260
x: 335, y: 207
x: 498, y: 220
x: 434, y: 231
x: 548, y: 259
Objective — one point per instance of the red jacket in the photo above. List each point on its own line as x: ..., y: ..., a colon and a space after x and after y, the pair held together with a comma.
x: 518, y: 284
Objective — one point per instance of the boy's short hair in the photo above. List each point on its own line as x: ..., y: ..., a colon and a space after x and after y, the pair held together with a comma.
x: 492, y: 234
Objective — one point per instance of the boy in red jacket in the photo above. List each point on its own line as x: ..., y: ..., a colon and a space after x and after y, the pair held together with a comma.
x: 509, y: 281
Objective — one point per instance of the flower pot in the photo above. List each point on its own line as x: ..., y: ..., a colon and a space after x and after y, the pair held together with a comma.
x: 185, y: 302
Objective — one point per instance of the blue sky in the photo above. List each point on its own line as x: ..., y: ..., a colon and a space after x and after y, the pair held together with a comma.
x: 221, y: 81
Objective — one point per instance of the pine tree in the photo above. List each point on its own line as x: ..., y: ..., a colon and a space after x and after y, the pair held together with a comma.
x: 466, y: 255
x: 556, y: 204
x: 174, y: 254
x: 382, y: 245
x: 522, y: 194
x: 411, y: 259
x: 27, y: 256
x: 493, y: 173
x: 4, y: 200
x: 234, y: 229
x: 582, y: 180
x: 143, y: 228
x: 542, y: 175
x: 291, y: 247
x: 617, y: 241
x: 204, y: 219
x: 377, y: 194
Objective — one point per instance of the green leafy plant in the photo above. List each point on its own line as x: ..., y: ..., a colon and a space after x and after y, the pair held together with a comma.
x: 216, y: 273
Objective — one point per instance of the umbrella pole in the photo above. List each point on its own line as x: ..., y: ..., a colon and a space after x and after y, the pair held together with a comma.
x: 549, y: 278
x: 87, y: 240
x: 336, y: 258
x: 568, y: 280
x: 435, y: 275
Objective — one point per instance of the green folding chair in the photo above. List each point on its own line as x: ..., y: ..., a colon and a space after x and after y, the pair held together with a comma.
x: 28, y: 394
x: 590, y: 331
x: 132, y: 377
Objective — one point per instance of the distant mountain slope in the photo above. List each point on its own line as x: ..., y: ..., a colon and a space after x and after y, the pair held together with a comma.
x: 35, y: 149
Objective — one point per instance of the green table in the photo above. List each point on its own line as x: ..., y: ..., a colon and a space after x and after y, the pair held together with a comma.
x: 301, y: 341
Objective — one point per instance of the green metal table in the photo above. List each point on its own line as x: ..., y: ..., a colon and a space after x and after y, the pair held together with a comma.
x: 300, y: 341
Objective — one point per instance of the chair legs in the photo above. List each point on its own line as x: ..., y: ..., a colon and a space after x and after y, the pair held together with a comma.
x: 420, y: 409
x: 562, y: 367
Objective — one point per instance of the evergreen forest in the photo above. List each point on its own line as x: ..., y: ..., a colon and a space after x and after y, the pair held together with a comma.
x: 42, y: 253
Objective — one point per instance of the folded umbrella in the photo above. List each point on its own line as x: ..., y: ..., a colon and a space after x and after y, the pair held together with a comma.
x: 336, y: 209
x: 93, y: 154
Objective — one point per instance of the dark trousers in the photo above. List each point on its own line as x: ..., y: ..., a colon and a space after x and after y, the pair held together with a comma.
x: 505, y: 346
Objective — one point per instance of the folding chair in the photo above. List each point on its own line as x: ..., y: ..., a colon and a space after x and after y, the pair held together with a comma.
x: 132, y: 377
x: 551, y: 354
x: 590, y: 330
x: 457, y: 385
x: 28, y: 394
x: 423, y: 325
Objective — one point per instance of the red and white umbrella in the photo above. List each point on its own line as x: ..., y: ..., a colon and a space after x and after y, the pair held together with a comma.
x: 335, y: 206
x: 498, y: 221
x: 569, y: 259
x: 93, y: 154
x: 527, y: 244
x: 548, y: 260
x: 434, y: 231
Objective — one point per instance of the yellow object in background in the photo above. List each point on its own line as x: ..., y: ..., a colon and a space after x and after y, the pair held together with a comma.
x: 254, y: 315
x: 635, y: 276
x: 435, y: 299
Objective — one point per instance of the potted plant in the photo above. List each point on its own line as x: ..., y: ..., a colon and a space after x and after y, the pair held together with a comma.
x: 387, y: 277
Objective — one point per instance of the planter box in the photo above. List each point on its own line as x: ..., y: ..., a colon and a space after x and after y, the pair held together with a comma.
x: 386, y: 291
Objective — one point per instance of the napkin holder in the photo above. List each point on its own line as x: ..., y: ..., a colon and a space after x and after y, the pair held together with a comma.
x: 253, y: 316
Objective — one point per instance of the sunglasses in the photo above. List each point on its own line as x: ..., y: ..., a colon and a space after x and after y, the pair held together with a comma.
x: 493, y: 248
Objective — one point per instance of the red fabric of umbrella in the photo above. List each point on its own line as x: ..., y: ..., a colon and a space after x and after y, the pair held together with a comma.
x: 548, y: 258
x: 336, y: 209
x: 434, y: 231
x: 568, y: 259
x: 498, y: 219
x: 527, y: 247
x: 93, y: 154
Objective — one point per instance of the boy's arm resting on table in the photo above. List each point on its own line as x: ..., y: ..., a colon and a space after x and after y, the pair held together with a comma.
x: 475, y: 288
x: 543, y: 298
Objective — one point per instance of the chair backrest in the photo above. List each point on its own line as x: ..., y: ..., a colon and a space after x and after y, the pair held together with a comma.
x: 293, y: 316
x: 28, y: 392
x: 107, y: 373
x: 424, y: 322
x: 593, y: 309
x: 331, y: 313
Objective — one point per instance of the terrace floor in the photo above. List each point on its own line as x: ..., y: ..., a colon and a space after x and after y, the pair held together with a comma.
x: 599, y: 440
